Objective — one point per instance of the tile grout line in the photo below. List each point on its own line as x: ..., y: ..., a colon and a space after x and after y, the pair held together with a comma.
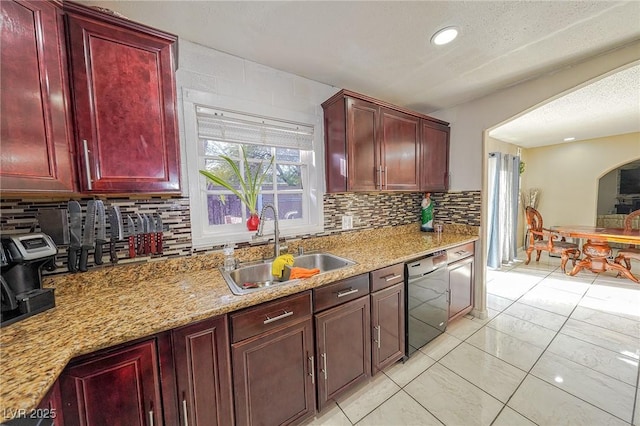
x: 547, y: 347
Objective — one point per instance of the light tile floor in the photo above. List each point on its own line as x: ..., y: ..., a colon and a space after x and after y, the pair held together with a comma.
x: 555, y: 350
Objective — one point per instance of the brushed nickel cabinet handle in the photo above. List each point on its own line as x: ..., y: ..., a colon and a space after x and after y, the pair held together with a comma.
x: 279, y: 317
x: 86, y: 164
x: 151, y: 417
x: 311, y: 368
x: 391, y: 277
x: 386, y: 178
x: 380, y: 176
x: 324, y: 364
x: 377, y: 338
x: 347, y: 292
x: 185, y: 413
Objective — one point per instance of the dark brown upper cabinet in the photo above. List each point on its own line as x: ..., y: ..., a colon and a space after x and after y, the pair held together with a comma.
x: 435, y: 157
x: 35, y: 132
x: 123, y: 87
x: 371, y: 145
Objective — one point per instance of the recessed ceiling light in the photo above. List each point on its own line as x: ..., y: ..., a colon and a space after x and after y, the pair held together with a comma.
x: 444, y: 36
x: 569, y: 139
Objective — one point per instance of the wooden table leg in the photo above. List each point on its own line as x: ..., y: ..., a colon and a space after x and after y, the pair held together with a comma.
x: 596, y: 254
x: 622, y: 270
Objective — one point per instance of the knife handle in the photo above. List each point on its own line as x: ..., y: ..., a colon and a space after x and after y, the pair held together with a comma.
x: 72, y: 259
x: 159, y: 243
x: 97, y: 255
x: 140, y: 243
x: 113, y: 256
x: 132, y: 247
x: 84, y: 256
x: 154, y: 248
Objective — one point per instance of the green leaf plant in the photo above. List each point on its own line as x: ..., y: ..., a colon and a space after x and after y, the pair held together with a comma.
x: 250, y: 184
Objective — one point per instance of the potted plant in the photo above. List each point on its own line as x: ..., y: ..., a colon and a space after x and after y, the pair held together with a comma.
x: 250, y: 185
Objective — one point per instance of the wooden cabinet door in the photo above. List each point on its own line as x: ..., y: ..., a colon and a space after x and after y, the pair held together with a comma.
x: 50, y: 408
x: 363, y: 150
x: 400, y: 148
x: 125, y: 106
x: 203, y: 373
x: 387, y: 320
x: 460, y: 287
x: 343, y: 348
x: 435, y: 157
x: 35, y: 134
x: 273, y: 376
x: 120, y: 388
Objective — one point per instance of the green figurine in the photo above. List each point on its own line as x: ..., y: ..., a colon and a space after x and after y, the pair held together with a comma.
x: 427, y: 213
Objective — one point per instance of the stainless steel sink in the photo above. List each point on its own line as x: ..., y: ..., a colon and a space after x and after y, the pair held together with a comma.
x: 324, y: 261
x: 257, y: 276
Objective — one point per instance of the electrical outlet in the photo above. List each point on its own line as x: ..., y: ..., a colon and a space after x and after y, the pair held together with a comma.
x: 347, y: 222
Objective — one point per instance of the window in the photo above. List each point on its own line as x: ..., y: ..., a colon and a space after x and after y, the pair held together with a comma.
x: 291, y: 185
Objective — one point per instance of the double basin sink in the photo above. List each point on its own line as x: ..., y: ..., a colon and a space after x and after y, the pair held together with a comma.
x: 257, y: 276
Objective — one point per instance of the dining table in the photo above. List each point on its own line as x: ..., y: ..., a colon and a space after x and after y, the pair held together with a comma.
x: 596, y: 249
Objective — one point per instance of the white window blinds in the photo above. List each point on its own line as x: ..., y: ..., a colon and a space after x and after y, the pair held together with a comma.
x: 233, y: 127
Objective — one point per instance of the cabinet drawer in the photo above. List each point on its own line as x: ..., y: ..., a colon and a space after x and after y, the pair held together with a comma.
x: 340, y: 292
x: 386, y: 277
x: 268, y: 316
x: 460, y: 252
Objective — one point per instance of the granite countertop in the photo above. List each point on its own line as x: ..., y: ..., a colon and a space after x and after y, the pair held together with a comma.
x: 114, y: 305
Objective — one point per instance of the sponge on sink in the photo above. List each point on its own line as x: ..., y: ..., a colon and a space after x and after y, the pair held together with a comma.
x: 297, y: 272
x: 279, y: 263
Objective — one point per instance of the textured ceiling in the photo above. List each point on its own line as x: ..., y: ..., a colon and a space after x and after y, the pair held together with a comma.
x: 382, y: 48
x: 606, y: 107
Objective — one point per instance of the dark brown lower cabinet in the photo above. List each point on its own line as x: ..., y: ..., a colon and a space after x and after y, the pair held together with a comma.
x: 387, y: 320
x: 203, y: 373
x: 272, y: 359
x: 115, y: 388
x: 343, y: 348
x: 273, y: 376
x: 50, y: 408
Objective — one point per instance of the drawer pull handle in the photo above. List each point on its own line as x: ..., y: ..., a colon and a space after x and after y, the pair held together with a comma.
x: 151, y: 417
x: 392, y: 277
x: 347, y: 292
x: 269, y: 320
x: 311, y: 368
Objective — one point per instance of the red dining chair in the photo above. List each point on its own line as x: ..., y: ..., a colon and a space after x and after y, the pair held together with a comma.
x: 632, y: 252
x: 541, y: 238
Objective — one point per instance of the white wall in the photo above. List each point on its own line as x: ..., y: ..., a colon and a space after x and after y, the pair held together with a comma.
x: 469, y: 120
x: 568, y: 175
x: 250, y: 87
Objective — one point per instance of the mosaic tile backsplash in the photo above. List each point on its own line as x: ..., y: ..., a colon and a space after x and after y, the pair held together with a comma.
x: 369, y: 211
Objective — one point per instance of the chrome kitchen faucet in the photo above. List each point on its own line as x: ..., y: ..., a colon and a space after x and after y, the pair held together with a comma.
x: 276, y: 229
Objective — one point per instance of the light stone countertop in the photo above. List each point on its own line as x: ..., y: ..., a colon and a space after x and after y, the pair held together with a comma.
x: 113, y: 305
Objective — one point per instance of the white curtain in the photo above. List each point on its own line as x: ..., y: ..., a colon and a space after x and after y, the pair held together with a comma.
x: 503, y: 191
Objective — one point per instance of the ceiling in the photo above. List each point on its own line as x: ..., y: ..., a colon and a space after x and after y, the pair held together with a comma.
x: 602, y: 108
x: 382, y: 48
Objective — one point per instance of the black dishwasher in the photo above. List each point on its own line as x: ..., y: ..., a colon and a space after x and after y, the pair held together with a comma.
x: 427, y: 287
